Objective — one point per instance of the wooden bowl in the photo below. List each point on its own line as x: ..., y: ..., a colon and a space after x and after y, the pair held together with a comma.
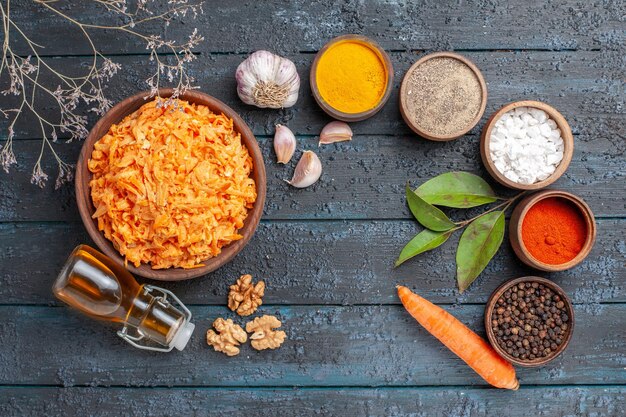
x: 352, y: 117
x: 86, y: 208
x: 566, y: 134
x: 491, y: 303
x: 404, y: 93
x: 517, y: 219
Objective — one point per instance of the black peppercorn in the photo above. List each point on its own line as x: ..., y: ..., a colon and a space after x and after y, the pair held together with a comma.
x: 530, y: 321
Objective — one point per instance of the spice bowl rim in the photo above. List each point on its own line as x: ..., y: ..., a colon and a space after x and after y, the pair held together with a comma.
x: 352, y: 117
x: 517, y: 219
x: 403, y: 105
x: 489, y: 307
x: 566, y: 134
x: 85, y: 204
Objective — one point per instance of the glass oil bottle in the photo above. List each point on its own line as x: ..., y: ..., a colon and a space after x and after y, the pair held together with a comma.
x: 153, y: 318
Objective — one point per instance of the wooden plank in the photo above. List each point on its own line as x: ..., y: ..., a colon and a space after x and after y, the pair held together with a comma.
x: 362, y: 179
x: 467, y: 402
x: 586, y: 86
x: 306, y: 26
x: 315, y: 263
x: 327, y: 346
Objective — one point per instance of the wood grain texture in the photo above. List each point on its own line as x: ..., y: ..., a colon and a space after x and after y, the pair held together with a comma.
x: 334, y: 262
x: 349, y: 402
x: 587, y: 87
x: 305, y: 26
x: 362, y: 179
x: 326, y: 346
x: 326, y: 252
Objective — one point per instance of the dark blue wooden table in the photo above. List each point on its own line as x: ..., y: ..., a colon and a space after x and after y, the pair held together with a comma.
x: 326, y: 252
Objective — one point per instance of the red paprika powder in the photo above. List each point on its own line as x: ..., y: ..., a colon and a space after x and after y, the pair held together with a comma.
x: 554, y: 231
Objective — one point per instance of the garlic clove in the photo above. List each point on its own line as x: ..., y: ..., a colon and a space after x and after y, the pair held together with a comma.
x: 335, y: 132
x: 267, y: 80
x: 308, y: 170
x: 287, y: 75
x: 284, y: 144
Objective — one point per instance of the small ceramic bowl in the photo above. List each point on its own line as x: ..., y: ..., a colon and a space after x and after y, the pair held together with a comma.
x: 86, y: 208
x: 404, y: 91
x: 517, y: 219
x: 352, y: 117
x: 566, y: 134
x: 491, y: 304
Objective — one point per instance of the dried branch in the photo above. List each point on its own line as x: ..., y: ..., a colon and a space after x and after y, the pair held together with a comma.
x: 69, y: 93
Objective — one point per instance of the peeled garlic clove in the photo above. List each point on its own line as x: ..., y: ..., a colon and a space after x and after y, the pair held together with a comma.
x: 267, y: 80
x: 308, y: 170
x: 284, y: 144
x: 335, y: 132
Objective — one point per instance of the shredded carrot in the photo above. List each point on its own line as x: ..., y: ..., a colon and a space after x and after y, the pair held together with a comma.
x: 171, y: 185
x: 457, y: 337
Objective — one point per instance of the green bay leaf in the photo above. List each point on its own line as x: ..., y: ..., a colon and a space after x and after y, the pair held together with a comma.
x: 428, y: 215
x: 478, y: 244
x: 456, y: 189
x: 422, y: 242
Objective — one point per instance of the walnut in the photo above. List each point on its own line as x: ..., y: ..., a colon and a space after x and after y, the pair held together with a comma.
x: 244, y: 297
x: 263, y: 334
x: 229, y: 337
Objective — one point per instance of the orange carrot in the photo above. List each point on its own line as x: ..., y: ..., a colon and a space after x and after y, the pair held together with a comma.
x: 466, y: 344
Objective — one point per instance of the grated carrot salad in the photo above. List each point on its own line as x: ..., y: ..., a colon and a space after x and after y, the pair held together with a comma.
x: 171, y: 186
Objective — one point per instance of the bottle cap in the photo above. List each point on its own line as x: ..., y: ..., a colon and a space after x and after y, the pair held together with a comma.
x: 182, y: 336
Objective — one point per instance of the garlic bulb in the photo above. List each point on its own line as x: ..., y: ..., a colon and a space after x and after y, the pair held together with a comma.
x: 267, y: 80
x: 335, y: 132
x: 284, y: 144
x: 308, y: 170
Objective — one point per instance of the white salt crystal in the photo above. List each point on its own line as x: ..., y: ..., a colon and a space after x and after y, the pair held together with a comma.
x: 526, y: 146
x: 542, y: 176
x: 512, y: 175
x: 545, y: 130
x: 540, y: 115
x: 533, y: 131
x: 498, y: 133
x: 526, y: 117
x: 552, y: 124
x: 553, y: 159
x: 496, y: 145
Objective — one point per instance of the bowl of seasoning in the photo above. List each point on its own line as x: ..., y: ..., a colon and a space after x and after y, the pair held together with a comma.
x: 529, y: 321
x: 351, y: 78
x: 552, y: 230
x: 442, y: 96
x: 526, y: 145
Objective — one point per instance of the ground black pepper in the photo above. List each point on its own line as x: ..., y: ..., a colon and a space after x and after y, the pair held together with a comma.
x: 443, y: 96
x: 530, y: 321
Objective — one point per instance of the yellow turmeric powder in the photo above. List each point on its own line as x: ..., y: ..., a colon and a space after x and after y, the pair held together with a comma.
x: 351, y: 77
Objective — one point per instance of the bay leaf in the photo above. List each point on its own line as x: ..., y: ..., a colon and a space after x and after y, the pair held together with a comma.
x: 457, y: 189
x: 428, y: 215
x: 478, y: 244
x: 422, y: 242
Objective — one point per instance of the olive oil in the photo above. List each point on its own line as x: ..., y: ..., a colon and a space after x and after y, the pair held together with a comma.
x: 97, y: 286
